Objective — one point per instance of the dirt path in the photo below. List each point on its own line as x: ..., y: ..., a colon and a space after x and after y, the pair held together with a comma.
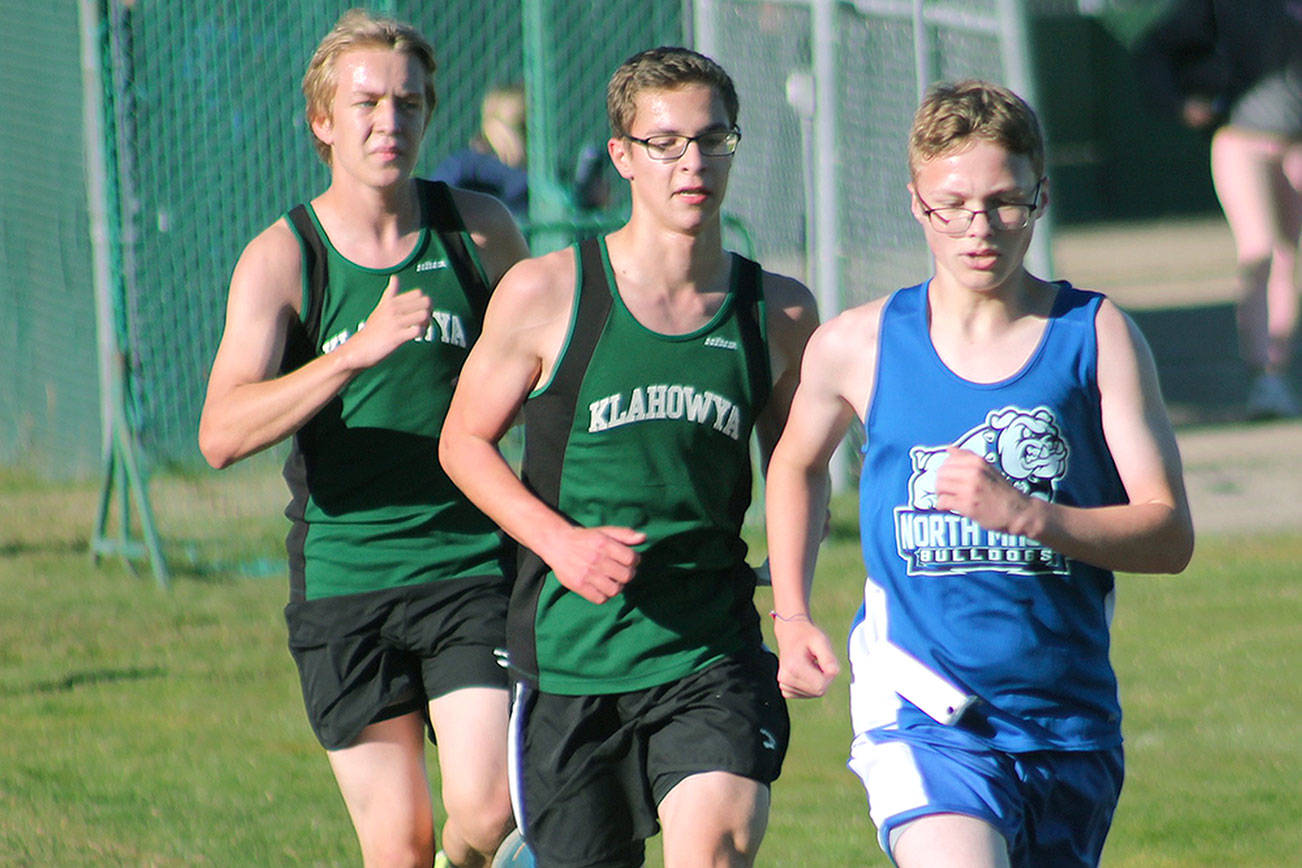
x: 1177, y: 262
x: 1180, y: 273
x: 1244, y: 478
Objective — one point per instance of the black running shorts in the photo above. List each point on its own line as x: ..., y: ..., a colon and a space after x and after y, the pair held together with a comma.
x: 590, y: 770
x: 363, y: 658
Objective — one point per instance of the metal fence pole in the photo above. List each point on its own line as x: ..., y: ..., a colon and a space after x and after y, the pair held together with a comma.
x: 703, y: 36
x: 118, y: 443
x: 921, y: 52
x: 827, y: 195
x: 96, y: 202
x: 1015, y: 50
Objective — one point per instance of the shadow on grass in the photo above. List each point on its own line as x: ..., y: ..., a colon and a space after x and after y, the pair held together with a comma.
x: 211, y: 568
x: 84, y: 678
x: 19, y: 548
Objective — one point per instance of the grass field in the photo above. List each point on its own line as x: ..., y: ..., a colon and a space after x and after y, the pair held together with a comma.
x: 148, y: 727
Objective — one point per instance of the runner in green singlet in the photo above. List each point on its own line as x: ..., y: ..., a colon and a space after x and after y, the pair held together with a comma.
x: 347, y: 324
x: 643, y: 362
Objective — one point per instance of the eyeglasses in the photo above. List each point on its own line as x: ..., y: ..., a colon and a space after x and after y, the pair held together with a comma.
x: 1006, y: 216
x: 667, y: 148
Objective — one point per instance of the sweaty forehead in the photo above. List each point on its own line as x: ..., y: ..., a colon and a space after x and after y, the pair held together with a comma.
x: 975, y: 168
x: 688, y: 108
x: 369, y: 68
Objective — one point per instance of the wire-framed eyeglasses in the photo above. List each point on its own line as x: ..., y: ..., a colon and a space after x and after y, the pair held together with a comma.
x: 1006, y: 216
x: 668, y: 147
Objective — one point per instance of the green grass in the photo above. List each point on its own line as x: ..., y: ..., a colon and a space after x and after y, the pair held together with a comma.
x: 148, y: 727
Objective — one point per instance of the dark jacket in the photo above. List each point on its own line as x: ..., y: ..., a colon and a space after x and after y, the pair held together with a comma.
x: 1217, y: 49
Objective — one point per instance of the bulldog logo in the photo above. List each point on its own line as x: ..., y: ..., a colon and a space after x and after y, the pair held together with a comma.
x: 1026, y: 446
x: 1028, y: 449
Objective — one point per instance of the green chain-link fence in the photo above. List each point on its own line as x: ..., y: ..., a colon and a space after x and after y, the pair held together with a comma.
x: 220, y: 148
x: 825, y: 145
x: 205, y: 144
x: 49, y: 416
x: 828, y: 89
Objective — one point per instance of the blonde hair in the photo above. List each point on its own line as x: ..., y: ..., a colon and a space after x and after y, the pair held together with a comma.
x: 954, y: 114
x: 665, y: 68
x: 358, y: 28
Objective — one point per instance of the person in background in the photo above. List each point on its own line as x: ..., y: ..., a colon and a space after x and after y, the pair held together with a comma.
x: 494, y: 162
x: 1235, y: 67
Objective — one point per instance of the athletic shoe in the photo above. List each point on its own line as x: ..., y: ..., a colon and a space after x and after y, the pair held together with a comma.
x: 1271, y: 398
x: 513, y: 853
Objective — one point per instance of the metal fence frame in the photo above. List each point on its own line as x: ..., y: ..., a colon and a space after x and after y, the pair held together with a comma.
x: 817, y: 96
x: 814, y: 157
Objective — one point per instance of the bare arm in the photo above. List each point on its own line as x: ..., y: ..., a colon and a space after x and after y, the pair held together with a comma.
x: 248, y: 407
x: 525, y: 326
x: 834, y: 388
x: 1153, y: 532
x: 792, y: 318
x: 494, y: 232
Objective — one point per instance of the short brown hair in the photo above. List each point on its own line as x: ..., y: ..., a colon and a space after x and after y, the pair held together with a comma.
x: 358, y: 28
x: 953, y: 114
x: 665, y: 68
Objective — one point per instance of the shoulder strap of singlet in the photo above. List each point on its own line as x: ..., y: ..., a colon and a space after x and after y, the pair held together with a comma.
x: 594, y: 303
x: 550, y: 415
x: 750, y: 319
x: 315, y: 267
x: 441, y: 215
x: 549, y: 418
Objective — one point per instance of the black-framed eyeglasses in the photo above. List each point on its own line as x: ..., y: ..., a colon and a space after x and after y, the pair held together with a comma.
x: 668, y: 147
x: 1006, y: 216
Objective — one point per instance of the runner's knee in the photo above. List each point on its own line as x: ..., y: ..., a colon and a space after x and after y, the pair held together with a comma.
x: 483, y: 821
x: 383, y: 845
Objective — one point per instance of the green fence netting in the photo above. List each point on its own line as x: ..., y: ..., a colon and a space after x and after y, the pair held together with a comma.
x: 49, y: 392
x: 205, y: 144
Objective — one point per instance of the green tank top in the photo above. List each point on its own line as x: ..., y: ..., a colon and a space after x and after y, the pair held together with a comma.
x: 648, y: 431
x: 372, y: 507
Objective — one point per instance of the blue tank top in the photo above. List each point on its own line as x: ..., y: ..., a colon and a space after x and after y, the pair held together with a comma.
x: 1002, y: 617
